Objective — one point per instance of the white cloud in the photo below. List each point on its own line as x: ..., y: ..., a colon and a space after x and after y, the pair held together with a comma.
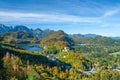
x: 110, y: 13
x: 43, y: 18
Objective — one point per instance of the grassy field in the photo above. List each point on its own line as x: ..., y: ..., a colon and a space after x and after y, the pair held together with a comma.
x: 115, y: 53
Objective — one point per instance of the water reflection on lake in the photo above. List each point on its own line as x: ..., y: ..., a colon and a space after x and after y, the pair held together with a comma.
x: 30, y: 47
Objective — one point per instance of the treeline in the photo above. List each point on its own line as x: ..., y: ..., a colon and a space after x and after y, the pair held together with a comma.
x: 98, y: 46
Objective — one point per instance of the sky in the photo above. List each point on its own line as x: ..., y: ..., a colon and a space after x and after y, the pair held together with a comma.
x: 73, y: 16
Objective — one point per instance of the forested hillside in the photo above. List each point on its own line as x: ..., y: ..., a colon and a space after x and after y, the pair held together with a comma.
x: 64, y: 57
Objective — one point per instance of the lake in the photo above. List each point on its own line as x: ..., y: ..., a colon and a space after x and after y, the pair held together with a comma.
x: 30, y: 47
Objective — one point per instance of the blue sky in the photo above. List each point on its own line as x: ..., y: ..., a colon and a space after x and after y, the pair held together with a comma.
x: 73, y: 16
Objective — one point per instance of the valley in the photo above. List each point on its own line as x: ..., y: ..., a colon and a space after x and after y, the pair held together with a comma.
x: 57, y: 55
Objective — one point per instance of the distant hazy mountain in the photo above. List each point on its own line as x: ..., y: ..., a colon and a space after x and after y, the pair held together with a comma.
x: 116, y: 38
x: 36, y: 32
x: 22, y: 28
x: 41, y: 33
x: 90, y: 35
x: 47, y: 32
x: 4, y: 29
x: 84, y: 36
x: 18, y: 35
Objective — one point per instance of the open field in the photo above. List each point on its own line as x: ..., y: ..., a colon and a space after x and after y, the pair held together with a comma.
x: 115, y: 53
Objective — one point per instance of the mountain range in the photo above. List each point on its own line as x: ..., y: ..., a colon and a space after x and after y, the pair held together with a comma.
x: 37, y: 32
x: 84, y: 36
